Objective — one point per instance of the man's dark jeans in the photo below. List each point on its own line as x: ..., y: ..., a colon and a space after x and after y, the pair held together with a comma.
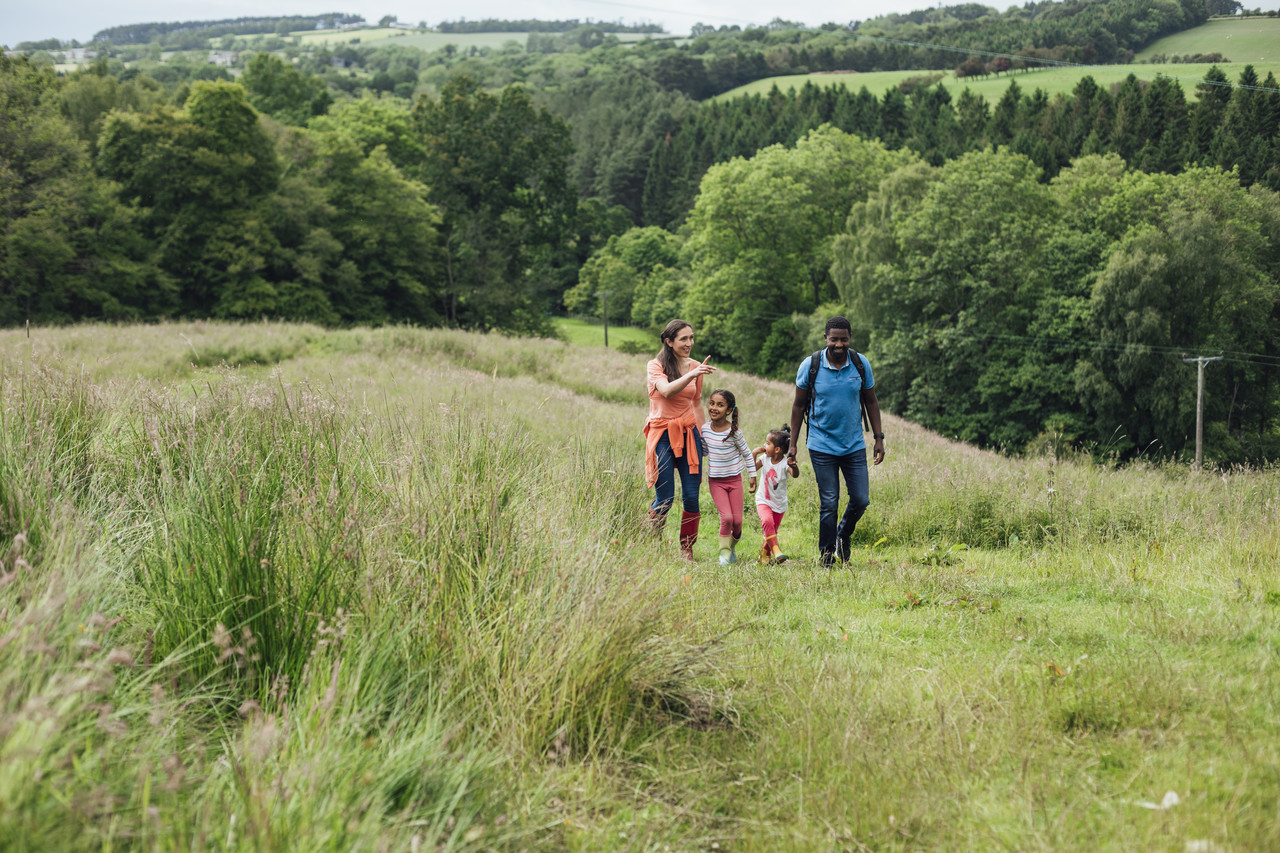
x: 833, y: 538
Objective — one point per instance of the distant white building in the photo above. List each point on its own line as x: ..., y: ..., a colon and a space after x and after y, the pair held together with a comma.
x: 223, y: 59
x: 74, y: 54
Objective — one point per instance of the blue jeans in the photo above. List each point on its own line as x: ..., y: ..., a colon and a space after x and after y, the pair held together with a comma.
x: 668, y: 465
x: 833, y: 538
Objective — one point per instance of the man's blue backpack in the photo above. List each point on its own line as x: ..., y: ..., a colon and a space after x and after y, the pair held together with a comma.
x: 815, y: 362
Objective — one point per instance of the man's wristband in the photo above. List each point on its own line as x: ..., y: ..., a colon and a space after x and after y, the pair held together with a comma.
x: 877, y: 436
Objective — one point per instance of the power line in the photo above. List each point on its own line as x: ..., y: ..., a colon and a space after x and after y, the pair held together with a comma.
x: 1073, y: 344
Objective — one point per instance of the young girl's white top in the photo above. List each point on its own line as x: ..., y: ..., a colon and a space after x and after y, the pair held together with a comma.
x: 727, y: 452
x: 772, y: 488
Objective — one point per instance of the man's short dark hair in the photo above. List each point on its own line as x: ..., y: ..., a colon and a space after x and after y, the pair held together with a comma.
x: 838, y: 323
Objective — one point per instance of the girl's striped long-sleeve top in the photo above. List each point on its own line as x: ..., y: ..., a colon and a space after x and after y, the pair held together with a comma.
x: 727, y: 453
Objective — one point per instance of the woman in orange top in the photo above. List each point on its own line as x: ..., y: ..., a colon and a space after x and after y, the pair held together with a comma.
x: 672, y: 438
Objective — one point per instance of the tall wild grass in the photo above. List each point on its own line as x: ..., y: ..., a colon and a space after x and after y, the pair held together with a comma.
x: 256, y: 611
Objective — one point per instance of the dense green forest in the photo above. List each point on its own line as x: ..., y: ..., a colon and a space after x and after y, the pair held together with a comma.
x: 1023, y: 271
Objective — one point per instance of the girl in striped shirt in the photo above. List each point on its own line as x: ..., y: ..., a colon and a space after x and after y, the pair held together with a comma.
x: 727, y: 458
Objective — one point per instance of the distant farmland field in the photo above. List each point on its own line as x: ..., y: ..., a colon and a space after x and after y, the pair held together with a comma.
x: 1052, y: 80
x: 1254, y: 41
x: 435, y: 41
x: 1241, y: 40
x: 412, y: 38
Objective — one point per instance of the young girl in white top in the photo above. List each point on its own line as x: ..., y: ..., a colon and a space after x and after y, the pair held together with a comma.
x: 727, y: 458
x: 771, y: 496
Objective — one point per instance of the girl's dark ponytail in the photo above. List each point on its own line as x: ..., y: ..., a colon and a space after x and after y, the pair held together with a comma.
x: 781, y: 438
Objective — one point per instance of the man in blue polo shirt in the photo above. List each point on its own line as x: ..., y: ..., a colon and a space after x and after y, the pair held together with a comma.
x: 835, y: 441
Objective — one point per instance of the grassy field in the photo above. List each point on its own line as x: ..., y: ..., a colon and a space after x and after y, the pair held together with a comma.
x: 1239, y: 40
x: 1052, y: 80
x: 271, y: 587
x: 434, y: 41
x: 410, y: 38
x: 581, y: 333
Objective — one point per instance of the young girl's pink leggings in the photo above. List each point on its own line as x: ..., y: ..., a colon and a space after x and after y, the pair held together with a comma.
x: 727, y: 494
x: 770, y: 521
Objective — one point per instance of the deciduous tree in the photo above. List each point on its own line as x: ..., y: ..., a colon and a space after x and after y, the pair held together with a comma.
x: 281, y: 91
x: 68, y: 249
x: 197, y: 178
x: 760, y: 236
x: 498, y: 167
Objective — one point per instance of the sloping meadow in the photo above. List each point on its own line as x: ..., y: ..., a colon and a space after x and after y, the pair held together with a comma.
x: 282, y: 588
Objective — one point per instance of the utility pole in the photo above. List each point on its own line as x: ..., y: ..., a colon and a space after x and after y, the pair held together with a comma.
x: 604, y: 299
x: 1200, y: 362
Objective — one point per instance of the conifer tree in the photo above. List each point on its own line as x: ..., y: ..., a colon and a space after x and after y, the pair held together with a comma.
x: 1234, y: 142
x: 1004, y: 117
x: 1212, y: 96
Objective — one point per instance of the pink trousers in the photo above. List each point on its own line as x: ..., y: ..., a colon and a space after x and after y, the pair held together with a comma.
x: 770, y: 521
x: 727, y: 494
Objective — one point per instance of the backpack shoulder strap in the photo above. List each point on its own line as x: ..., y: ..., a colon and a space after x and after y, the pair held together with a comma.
x: 815, y: 361
x: 857, y: 362
x: 862, y: 381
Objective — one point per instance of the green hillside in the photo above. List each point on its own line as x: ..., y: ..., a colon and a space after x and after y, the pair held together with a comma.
x: 1255, y: 40
x: 429, y: 41
x: 1052, y: 80
x: 409, y: 38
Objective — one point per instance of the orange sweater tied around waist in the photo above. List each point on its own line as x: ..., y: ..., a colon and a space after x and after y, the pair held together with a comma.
x: 679, y: 432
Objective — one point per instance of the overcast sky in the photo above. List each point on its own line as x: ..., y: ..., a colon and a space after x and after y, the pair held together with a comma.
x: 31, y: 20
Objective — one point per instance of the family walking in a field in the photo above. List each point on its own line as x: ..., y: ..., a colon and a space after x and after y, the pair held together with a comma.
x: 835, y: 394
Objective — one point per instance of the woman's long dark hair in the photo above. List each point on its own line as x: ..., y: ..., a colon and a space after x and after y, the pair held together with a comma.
x: 667, y: 356
x: 732, y: 403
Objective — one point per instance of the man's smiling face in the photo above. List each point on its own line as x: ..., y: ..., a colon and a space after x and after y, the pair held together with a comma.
x: 837, y: 344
